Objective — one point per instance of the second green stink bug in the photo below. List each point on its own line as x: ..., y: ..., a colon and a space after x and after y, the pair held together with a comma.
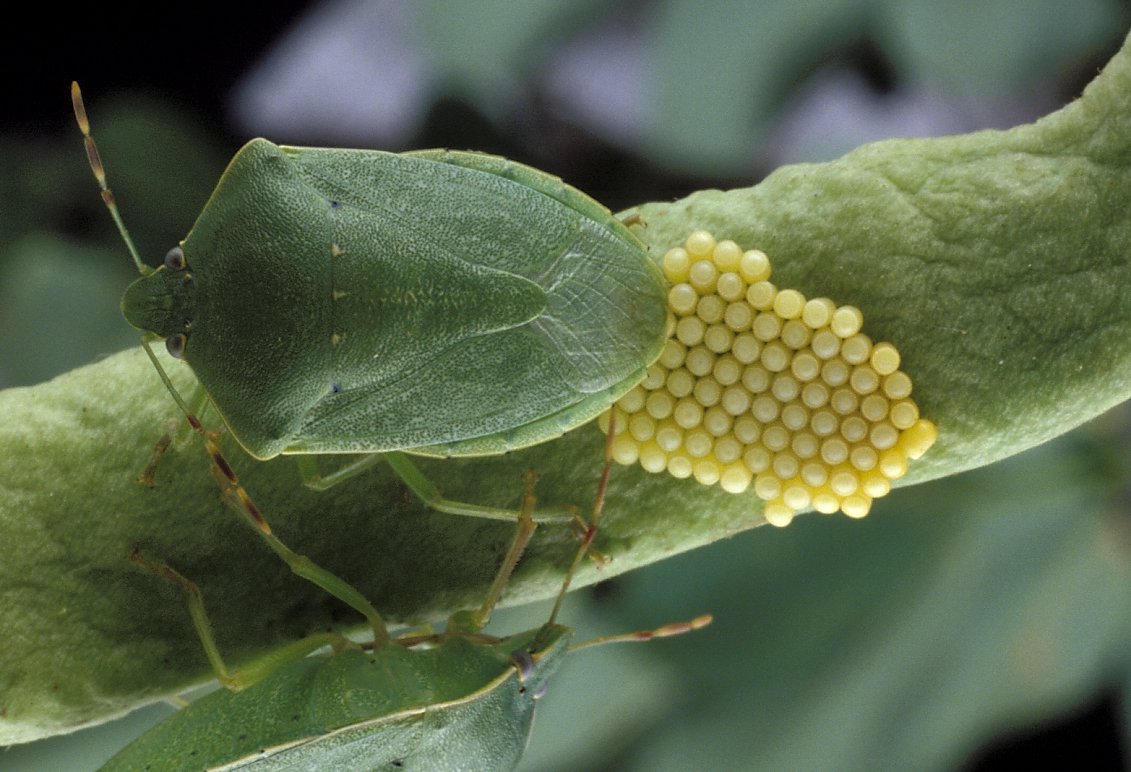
x: 460, y: 700
x: 436, y: 302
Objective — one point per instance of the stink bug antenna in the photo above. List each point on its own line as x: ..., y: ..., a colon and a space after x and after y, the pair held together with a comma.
x: 100, y: 175
x: 642, y: 636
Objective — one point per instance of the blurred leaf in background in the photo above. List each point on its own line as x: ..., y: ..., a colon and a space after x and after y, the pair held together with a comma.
x: 961, y: 611
x: 59, y: 292
x: 695, y: 87
x: 958, y: 613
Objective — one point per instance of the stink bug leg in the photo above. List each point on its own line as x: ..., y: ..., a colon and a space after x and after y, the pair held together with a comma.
x: 590, y: 532
x: 254, y: 671
x: 422, y: 488
x: 239, y: 500
x: 178, y: 432
x: 525, y: 529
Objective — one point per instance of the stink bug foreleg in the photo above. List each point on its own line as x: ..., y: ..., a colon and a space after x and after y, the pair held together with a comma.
x: 238, y: 499
x: 148, y: 475
x: 178, y: 433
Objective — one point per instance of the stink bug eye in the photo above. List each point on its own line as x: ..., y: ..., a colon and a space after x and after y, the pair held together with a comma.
x: 523, y: 662
x: 175, y: 259
x: 175, y: 344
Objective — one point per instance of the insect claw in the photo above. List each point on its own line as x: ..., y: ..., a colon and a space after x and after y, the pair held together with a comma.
x: 148, y: 476
x: 599, y: 559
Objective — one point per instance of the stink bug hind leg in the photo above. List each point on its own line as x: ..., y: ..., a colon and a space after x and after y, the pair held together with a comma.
x: 474, y: 621
x: 590, y: 532
x: 664, y: 631
x: 253, y: 671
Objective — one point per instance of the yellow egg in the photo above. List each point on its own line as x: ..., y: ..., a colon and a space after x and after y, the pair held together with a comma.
x: 759, y: 387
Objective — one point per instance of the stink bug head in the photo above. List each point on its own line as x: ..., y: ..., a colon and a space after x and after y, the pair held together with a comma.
x: 545, y: 653
x: 160, y: 303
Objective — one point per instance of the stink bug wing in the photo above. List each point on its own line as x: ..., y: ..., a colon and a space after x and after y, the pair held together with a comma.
x: 283, y: 718
x: 602, y: 318
x: 493, y: 213
x: 407, y: 412
x: 602, y: 273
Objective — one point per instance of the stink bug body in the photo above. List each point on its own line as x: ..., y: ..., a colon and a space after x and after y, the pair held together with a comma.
x: 451, y: 303
x: 465, y: 704
x: 336, y: 301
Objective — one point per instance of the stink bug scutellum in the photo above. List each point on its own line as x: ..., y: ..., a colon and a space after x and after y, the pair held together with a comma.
x: 435, y: 303
x: 459, y: 700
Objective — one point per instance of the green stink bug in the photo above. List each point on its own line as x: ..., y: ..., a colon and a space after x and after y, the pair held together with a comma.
x: 348, y: 301
x: 445, y: 303
x: 460, y: 700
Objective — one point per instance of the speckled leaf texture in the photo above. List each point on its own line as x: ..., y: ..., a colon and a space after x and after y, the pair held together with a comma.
x: 999, y: 263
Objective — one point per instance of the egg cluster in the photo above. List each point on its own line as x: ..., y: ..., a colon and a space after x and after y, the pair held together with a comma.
x: 759, y: 386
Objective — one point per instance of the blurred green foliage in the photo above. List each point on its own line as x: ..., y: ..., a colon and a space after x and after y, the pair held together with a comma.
x: 62, y: 271
x: 717, y: 73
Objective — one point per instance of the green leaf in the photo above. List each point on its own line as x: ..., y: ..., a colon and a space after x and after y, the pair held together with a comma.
x: 997, y: 262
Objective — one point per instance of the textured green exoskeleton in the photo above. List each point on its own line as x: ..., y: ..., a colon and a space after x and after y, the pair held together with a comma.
x: 461, y: 705
x: 336, y: 301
